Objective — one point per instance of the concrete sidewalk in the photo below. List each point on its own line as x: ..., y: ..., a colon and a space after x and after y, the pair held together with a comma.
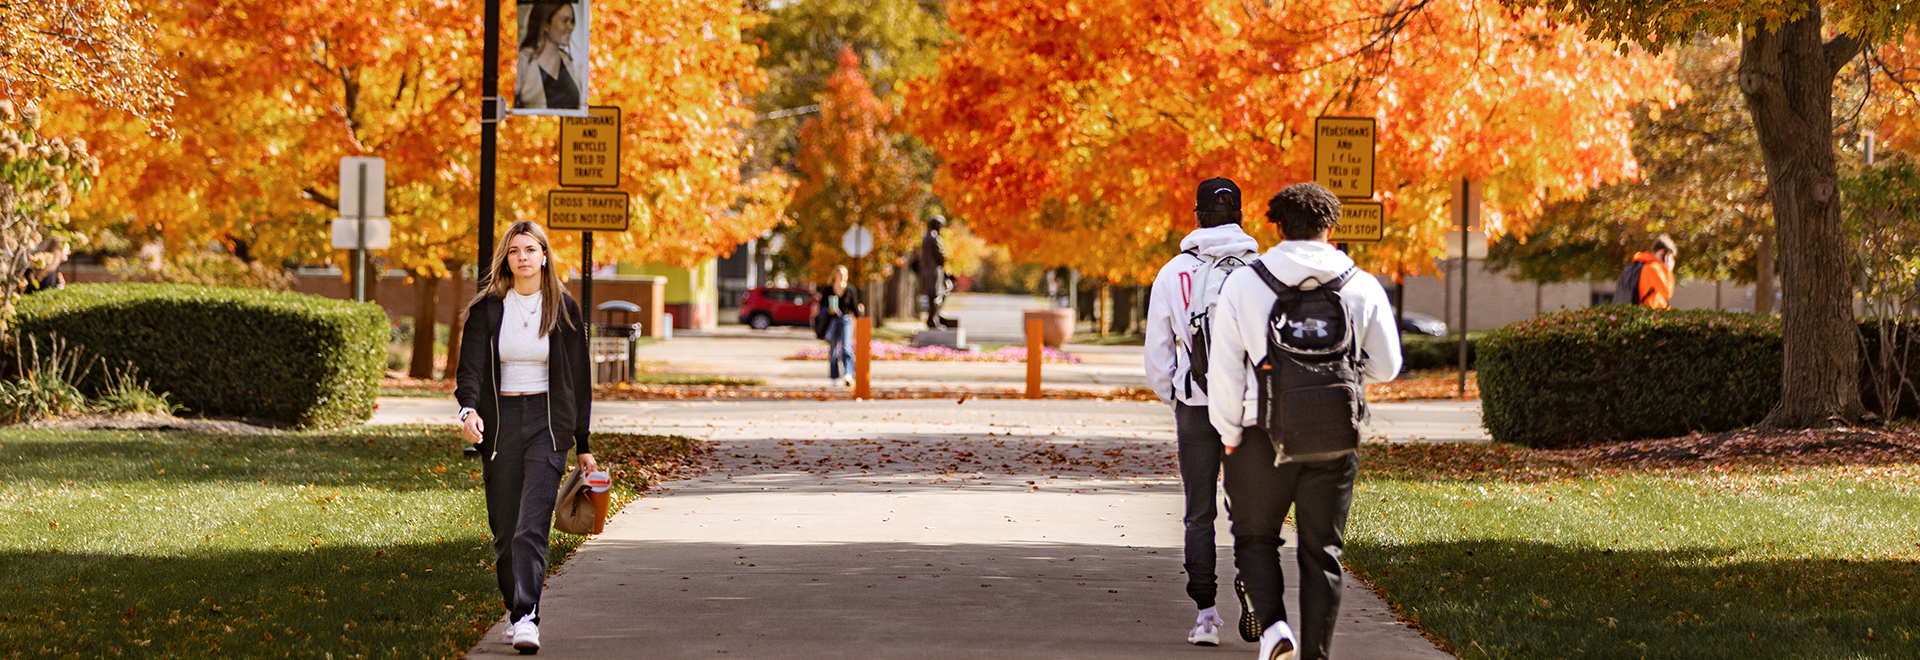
x: 903, y: 529
x: 745, y: 353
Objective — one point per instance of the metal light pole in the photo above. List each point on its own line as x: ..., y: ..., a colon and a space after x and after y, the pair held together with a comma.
x: 491, y: 110
x: 360, y: 239
x: 1466, y: 259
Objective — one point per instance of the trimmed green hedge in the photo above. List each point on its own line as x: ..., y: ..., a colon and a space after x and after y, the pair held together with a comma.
x: 1616, y: 373
x: 283, y: 357
x: 1429, y: 352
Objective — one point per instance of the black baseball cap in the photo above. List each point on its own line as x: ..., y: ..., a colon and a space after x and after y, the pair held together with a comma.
x: 1217, y: 194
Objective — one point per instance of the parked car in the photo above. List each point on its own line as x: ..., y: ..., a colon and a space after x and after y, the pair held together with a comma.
x: 766, y: 306
x: 1422, y: 324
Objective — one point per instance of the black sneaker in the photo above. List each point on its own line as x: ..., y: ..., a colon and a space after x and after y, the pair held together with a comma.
x: 1249, y: 624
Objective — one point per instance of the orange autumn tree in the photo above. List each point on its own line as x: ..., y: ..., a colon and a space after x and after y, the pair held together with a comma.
x: 77, y: 56
x: 277, y: 93
x: 683, y: 77
x: 1073, y: 134
x: 852, y: 171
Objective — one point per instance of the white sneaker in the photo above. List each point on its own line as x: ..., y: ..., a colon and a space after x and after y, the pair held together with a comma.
x: 526, y: 636
x: 846, y: 381
x: 506, y: 630
x: 1277, y: 642
x: 1206, y: 628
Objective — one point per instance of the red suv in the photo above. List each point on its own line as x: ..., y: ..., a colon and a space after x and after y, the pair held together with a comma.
x: 767, y: 306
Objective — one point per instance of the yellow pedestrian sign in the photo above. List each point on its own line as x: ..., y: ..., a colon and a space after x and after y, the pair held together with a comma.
x: 590, y: 148
x: 586, y: 210
x: 1360, y: 222
x: 1343, y: 155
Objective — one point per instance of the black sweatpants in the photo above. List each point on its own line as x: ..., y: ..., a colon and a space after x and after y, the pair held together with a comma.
x: 522, y: 475
x: 1259, y: 494
x: 1199, y: 475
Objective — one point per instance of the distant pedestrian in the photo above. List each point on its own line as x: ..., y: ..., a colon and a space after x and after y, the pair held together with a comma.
x: 523, y: 386
x: 839, y: 306
x: 1178, y: 323
x: 1296, y: 336
x: 1648, y: 280
x: 44, y: 267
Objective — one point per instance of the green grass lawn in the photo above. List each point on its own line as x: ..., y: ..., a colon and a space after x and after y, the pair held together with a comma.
x: 362, y: 543
x: 1504, y: 553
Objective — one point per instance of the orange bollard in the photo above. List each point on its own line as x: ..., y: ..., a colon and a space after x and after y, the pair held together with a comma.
x: 1035, y: 339
x: 862, y: 357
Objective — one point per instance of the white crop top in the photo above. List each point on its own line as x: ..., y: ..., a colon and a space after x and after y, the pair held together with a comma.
x: 523, y: 352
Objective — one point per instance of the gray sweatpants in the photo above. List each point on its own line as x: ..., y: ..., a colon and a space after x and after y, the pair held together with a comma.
x: 522, y: 476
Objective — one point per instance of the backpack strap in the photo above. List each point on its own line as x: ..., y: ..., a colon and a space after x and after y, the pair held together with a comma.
x: 1266, y: 276
x: 1334, y: 285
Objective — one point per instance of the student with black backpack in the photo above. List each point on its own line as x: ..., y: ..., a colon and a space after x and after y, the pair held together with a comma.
x: 1178, y: 323
x: 1296, y: 336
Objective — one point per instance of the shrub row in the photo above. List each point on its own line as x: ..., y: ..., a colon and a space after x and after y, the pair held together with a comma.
x: 1616, y: 373
x: 1430, y: 352
x: 283, y: 357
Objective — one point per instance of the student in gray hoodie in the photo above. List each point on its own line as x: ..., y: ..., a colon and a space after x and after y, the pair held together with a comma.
x: 1261, y: 483
x: 1182, y: 291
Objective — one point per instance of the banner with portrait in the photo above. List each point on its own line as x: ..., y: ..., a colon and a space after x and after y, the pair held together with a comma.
x: 551, y: 62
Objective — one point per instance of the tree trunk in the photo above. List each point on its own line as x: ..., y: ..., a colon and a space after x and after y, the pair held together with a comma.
x: 1122, y: 311
x: 1787, y: 75
x: 457, y: 324
x: 1763, y: 279
x: 426, y: 316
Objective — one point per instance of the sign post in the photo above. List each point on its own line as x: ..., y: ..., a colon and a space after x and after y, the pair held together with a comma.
x: 363, y: 181
x: 586, y: 211
x: 589, y: 158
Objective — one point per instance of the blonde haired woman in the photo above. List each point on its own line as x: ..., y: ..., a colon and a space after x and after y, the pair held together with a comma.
x: 839, y: 305
x: 524, y: 395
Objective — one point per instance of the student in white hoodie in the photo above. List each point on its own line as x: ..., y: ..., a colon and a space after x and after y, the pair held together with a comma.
x: 1262, y: 481
x: 1217, y: 245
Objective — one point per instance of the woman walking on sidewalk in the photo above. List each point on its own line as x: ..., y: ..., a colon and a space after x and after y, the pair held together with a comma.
x: 839, y: 305
x: 524, y: 395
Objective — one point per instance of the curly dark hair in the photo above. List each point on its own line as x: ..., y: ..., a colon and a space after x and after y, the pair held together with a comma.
x: 1304, y: 211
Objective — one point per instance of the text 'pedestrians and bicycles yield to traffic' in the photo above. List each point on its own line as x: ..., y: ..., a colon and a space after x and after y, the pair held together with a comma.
x: 1343, y: 155
x: 590, y: 148
x: 586, y: 210
x: 1360, y: 222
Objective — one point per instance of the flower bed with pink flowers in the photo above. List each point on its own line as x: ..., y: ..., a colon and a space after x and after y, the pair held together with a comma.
x: 885, y: 351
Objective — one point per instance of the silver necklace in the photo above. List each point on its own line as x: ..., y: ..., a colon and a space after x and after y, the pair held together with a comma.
x: 529, y: 313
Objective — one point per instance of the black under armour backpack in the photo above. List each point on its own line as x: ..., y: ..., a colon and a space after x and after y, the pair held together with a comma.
x: 1311, y: 398
x: 1626, y: 291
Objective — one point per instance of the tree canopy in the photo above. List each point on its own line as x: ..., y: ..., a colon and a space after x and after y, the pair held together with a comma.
x: 277, y: 93
x: 1074, y: 133
x: 1701, y: 180
x: 853, y: 171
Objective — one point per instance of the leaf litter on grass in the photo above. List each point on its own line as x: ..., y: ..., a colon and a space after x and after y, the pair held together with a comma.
x: 361, y: 542
x: 1706, y: 546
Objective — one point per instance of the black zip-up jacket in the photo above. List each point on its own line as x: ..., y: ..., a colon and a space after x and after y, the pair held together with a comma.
x: 569, y: 390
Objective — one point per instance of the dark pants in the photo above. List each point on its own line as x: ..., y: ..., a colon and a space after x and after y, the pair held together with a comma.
x: 1259, y: 494
x: 1199, y: 474
x: 523, y: 480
